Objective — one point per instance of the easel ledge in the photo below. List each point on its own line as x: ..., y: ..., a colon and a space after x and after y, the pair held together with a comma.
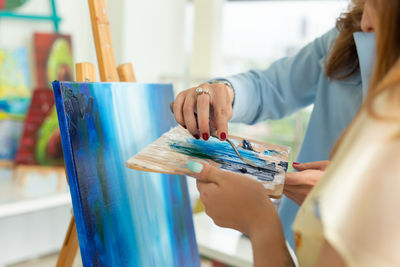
x: 6, y: 164
x: 21, y: 172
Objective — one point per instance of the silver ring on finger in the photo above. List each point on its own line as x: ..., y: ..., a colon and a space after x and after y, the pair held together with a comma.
x: 200, y: 91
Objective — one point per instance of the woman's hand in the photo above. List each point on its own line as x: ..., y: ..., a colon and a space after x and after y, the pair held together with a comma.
x: 299, y: 184
x: 220, y: 97
x: 234, y: 200
x: 239, y: 202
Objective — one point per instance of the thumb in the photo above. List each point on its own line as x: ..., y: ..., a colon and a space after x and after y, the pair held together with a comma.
x: 315, y: 165
x: 205, y: 172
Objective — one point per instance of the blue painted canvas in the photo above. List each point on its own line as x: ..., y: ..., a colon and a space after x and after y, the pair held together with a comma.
x: 123, y: 217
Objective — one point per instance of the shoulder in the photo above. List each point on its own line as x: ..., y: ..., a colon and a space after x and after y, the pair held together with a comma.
x: 330, y: 36
x: 326, y: 41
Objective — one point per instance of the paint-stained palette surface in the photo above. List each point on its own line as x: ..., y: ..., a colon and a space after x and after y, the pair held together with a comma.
x: 170, y: 153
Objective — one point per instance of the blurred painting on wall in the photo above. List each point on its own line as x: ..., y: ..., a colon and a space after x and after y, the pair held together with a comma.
x: 11, y: 4
x: 41, y: 142
x: 15, y: 93
x: 54, y: 60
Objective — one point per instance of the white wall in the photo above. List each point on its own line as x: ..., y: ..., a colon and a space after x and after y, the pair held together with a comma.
x: 150, y: 33
x: 206, y: 54
x: 153, y: 38
x: 76, y: 21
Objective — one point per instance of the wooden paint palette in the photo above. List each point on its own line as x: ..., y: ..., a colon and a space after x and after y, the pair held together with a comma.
x: 171, y: 152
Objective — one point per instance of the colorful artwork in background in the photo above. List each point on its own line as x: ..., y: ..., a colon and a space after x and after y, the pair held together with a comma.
x: 11, y: 4
x: 123, y: 217
x: 171, y: 152
x: 15, y: 90
x: 40, y: 143
x: 54, y: 60
x: 9, y: 137
x: 15, y: 93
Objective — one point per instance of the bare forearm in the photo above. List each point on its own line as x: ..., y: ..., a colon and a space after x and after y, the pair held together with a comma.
x: 270, y: 250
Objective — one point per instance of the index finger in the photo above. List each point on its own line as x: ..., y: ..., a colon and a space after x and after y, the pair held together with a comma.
x: 203, y: 114
x: 315, y: 165
x: 294, y: 178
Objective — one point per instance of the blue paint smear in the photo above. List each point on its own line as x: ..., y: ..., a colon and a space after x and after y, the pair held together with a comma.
x: 271, y: 152
x: 222, y: 153
x: 123, y: 217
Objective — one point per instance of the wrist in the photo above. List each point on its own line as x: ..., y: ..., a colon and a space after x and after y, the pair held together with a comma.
x: 269, y: 229
x: 269, y: 247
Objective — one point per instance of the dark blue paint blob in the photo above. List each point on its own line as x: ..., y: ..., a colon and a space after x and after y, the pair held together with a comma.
x: 247, y: 145
x: 284, y: 164
x: 243, y: 170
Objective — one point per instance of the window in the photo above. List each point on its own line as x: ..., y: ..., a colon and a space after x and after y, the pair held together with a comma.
x: 256, y: 33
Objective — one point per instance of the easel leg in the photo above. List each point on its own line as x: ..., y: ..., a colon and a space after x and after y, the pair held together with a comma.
x: 70, y: 246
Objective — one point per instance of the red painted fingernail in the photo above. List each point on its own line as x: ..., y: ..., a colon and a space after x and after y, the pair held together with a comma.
x: 184, y: 126
x: 205, y: 136
x: 196, y: 136
x: 223, y: 136
x: 296, y: 163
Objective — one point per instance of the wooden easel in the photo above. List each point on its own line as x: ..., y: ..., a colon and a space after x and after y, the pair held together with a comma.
x: 86, y: 72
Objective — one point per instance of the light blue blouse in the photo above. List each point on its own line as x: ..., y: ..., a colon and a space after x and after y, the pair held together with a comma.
x: 293, y: 83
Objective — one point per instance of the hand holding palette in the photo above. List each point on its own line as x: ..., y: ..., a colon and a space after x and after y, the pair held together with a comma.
x: 170, y: 153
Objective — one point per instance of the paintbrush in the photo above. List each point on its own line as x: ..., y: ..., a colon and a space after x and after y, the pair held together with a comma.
x: 213, y: 132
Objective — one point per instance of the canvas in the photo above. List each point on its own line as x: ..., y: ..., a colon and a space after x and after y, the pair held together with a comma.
x: 123, y: 217
x: 15, y: 93
x: 171, y: 152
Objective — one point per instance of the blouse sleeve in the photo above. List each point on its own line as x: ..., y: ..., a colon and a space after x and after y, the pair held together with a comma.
x: 288, y: 85
x: 359, y: 205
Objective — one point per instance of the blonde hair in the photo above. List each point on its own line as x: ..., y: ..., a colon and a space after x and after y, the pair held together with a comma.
x: 388, y: 52
x: 386, y: 76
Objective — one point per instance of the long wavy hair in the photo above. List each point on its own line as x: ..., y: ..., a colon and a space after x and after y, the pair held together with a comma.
x: 343, y: 59
x: 386, y: 76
